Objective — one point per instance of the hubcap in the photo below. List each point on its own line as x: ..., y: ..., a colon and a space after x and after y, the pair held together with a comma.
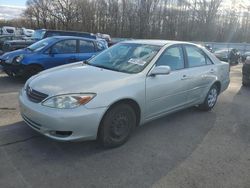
x: 119, y: 126
x: 212, y: 97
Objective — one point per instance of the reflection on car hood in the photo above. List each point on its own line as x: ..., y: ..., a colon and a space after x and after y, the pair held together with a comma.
x: 10, y: 55
x: 77, y: 79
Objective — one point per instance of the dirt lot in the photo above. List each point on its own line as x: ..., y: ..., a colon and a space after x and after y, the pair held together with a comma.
x: 187, y: 149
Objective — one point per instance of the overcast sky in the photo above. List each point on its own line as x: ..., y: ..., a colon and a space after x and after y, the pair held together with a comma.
x: 18, y: 3
x: 11, y: 8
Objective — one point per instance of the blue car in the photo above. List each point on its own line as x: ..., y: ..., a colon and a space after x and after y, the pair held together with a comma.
x: 48, y: 53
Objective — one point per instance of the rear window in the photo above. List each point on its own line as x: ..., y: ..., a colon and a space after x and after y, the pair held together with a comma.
x: 86, y: 46
x: 195, y: 56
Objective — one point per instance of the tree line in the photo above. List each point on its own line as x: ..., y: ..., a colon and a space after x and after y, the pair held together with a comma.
x: 189, y: 20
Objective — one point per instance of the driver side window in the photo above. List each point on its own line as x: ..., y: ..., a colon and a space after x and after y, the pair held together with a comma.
x: 64, y: 47
x: 172, y: 57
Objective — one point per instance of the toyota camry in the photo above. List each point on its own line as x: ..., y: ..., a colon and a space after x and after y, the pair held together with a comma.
x: 124, y: 86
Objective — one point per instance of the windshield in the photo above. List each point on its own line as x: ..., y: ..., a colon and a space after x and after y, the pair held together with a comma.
x: 38, y: 34
x: 40, y: 44
x: 126, y: 57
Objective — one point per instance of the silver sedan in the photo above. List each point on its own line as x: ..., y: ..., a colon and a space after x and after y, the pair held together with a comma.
x: 125, y: 86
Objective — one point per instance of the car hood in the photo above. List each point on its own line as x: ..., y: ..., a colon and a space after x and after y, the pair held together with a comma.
x: 10, y: 55
x: 78, y: 78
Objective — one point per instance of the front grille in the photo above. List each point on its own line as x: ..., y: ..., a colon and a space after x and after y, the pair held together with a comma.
x: 31, y: 123
x: 35, y: 96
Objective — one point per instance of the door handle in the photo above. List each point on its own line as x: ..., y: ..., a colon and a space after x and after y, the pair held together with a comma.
x: 185, y: 77
x: 212, y: 71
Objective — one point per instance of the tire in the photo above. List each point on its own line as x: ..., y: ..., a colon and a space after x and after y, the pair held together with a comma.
x: 10, y: 74
x: 31, y: 70
x: 210, y: 100
x: 117, y: 125
x: 245, y: 84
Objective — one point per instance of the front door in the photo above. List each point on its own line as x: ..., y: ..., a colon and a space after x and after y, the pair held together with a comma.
x: 167, y: 92
x: 63, y: 52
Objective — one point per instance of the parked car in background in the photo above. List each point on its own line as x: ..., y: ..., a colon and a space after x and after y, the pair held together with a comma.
x: 7, y: 30
x: 230, y: 55
x: 41, y: 34
x: 244, y: 56
x: 105, y: 37
x: 117, y: 40
x: 234, y: 57
x: 15, y: 44
x: 209, y: 48
x: 24, y: 31
x: 27, y: 32
x: 246, y: 72
x: 125, y: 86
x: 4, y: 38
x: 222, y: 54
x: 48, y: 53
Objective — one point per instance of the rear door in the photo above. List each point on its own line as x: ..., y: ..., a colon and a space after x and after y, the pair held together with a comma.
x: 202, y: 72
x: 86, y: 49
x: 63, y: 52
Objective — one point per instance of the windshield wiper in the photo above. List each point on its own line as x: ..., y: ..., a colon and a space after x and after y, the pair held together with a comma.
x: 104, y: 67
x: 29, y: 49
x: 86, y: 62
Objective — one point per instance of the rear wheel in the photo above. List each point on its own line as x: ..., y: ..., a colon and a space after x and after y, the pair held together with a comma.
x: 31, y: 70
x: 117, y: 125
x: 210, y: 100
x: 245, y: 84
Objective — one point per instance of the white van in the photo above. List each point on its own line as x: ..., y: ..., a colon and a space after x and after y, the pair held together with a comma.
x: 6, y: 30
x: 27, y: 32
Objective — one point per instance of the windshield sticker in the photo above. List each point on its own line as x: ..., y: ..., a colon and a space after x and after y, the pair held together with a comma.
x: 137, y: 62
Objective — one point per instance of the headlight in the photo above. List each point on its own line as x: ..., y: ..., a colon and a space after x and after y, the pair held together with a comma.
x: 18, y: 59
x: 8, y: 59
x: 68, y: 101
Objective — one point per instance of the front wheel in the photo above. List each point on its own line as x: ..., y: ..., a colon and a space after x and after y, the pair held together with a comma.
x: 117, y: 125
x: 31, y: 70
x: 211, y: 99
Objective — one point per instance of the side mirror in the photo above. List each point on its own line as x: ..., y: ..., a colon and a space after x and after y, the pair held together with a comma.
x: 160, y: 70
x: 53, y: 51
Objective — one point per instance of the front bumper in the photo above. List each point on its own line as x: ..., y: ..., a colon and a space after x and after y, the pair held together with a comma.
x: 11, y: 69
x: 61, y: 124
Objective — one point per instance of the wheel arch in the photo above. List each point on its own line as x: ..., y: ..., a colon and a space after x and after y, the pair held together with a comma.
x: 128, y: 101
x: 34, y: 64
x: 218, y: 85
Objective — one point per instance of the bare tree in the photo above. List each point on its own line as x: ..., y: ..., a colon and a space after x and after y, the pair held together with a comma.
x: 166, y: 19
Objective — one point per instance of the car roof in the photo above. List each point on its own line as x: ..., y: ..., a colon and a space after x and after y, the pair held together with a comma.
x: 71, y: 37
x: 156, y: 42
